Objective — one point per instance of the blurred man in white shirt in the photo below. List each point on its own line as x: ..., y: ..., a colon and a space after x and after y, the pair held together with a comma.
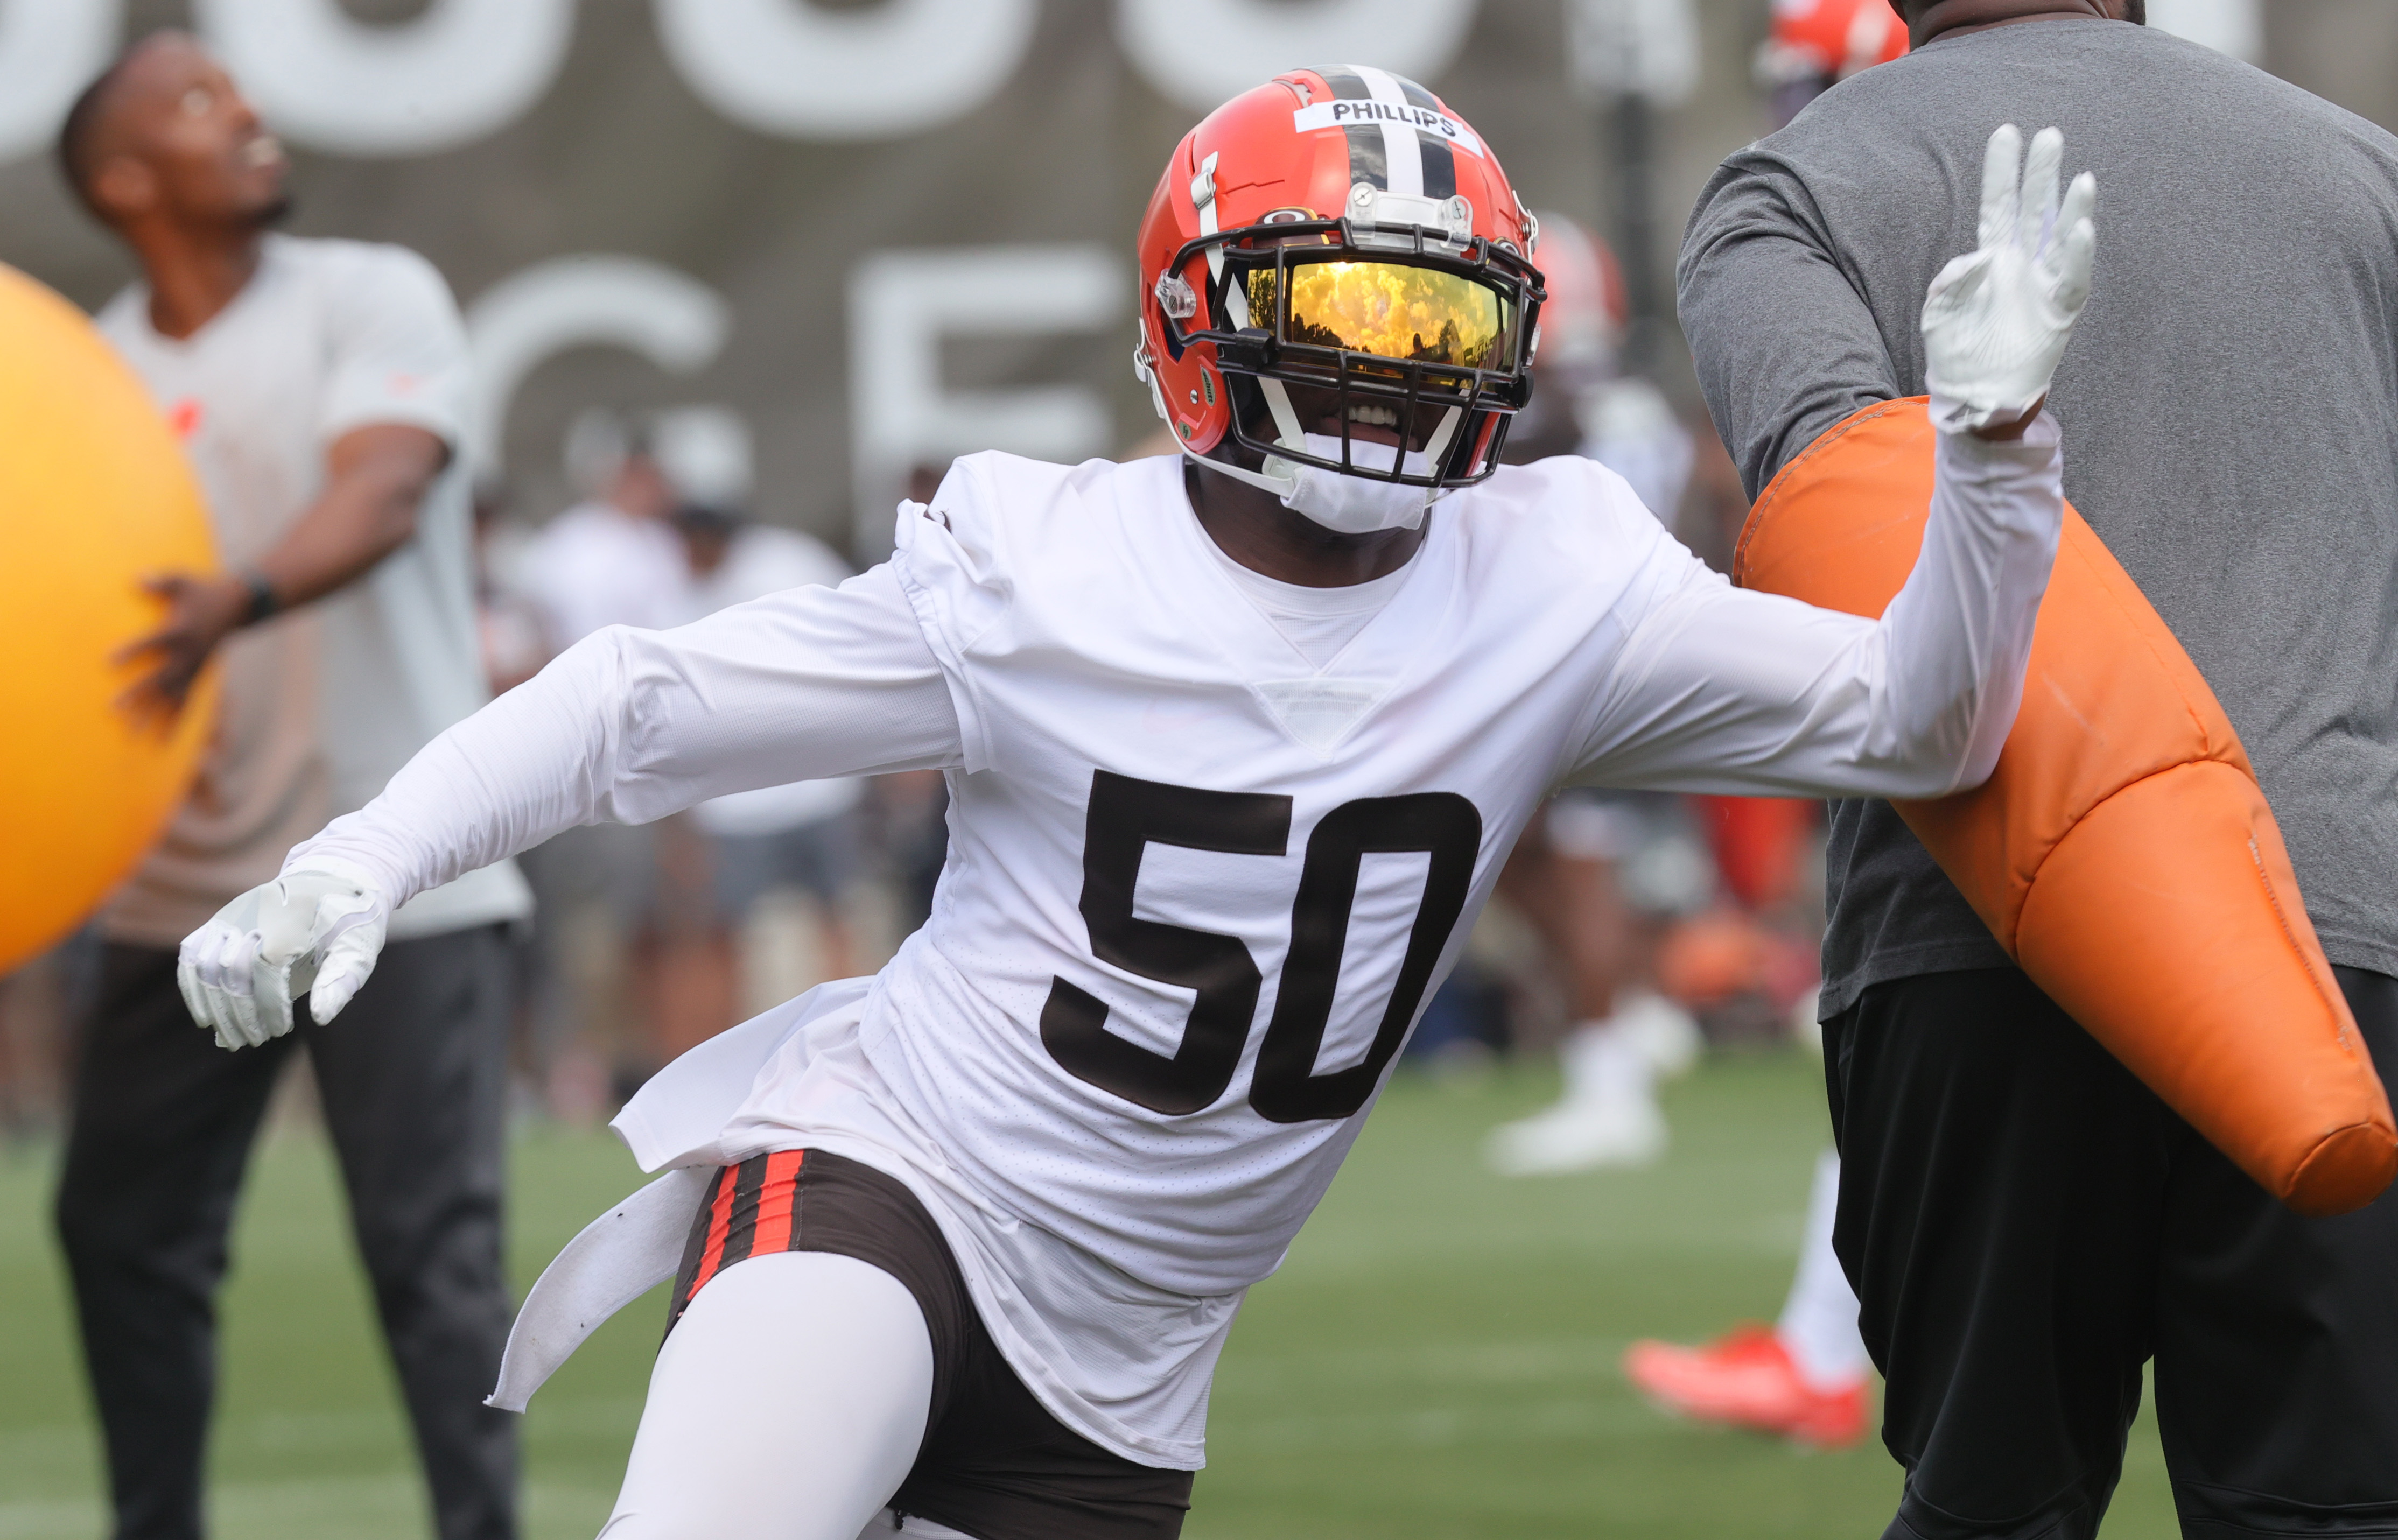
x: 612, y: 559
x: 317, y: 386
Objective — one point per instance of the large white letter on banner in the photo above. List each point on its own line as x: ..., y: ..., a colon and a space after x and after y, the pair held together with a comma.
x: 460, y: 71
x: 1201, y: 53
x: 2236, y: 27
x: 796, y: 70
x: 903, y: 303
x: 49, y: 50
x: 670, y: 318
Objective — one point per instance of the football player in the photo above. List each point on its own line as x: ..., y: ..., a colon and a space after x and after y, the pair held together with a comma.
x: 1566, y: 877
x: 1236, y: 742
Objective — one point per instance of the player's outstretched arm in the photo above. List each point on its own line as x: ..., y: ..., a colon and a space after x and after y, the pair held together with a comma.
x: 627, y: 726
x: 1724, y: 690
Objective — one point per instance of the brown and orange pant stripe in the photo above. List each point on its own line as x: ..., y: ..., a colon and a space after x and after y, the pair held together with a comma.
x: 751, y: 1210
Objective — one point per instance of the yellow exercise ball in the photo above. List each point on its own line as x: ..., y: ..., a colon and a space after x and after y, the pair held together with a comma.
x: 94, y: 496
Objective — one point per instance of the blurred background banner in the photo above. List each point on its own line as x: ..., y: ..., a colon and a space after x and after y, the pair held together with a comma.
x: 883, y: 232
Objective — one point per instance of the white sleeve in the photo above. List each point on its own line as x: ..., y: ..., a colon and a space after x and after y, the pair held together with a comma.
x: 398, y: 346
x: 1718, y: 689
x: 632, y: 724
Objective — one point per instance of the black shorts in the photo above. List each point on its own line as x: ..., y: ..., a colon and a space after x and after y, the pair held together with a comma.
x: 2027, y: 1224
x: 994, y: 1463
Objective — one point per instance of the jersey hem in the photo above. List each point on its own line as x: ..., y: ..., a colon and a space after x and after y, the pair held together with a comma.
x: 2347, y: 950
x: 1886, y: 965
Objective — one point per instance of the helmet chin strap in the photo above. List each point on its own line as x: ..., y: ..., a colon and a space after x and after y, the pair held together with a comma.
x: 1287, y: 431
x: 1282, y: 486
x: 1281, y: 477
x: 1278, y: 475
x: 1345, y: 503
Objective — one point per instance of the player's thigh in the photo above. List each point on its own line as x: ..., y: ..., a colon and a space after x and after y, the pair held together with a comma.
x: 788, y: 1403
x: 2002, y: 1197
x: 2277, y: 1342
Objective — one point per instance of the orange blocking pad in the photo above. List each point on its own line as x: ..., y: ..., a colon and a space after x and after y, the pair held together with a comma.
x: 2122, y: 852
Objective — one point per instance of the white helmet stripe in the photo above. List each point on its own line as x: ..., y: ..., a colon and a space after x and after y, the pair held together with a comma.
x: 1287, y: 433
x: 1438, y: 445
x: 1402, y: 151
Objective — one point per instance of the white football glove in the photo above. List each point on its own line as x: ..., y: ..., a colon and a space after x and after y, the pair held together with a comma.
x: 316, y: 931
x: 1996, y: 319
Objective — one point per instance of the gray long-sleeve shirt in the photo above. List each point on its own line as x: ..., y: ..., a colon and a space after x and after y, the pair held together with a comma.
x: 2229, y: 403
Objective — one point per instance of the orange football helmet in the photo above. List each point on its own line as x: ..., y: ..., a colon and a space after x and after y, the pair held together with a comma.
x: 1341, y: 233
x: 1587, y: 307
x: 1828, y: 40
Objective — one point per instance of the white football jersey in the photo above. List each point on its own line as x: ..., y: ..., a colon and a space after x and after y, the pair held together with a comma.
x: 1198, y: 889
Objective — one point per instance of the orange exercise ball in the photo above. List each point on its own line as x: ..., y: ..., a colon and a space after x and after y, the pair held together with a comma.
x: 94, y: 496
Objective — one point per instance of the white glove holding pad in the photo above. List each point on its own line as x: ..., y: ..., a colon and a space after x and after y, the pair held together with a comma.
x: 317, y: 932
x: 1996, y: 320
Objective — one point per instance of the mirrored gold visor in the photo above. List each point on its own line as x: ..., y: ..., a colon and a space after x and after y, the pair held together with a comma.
x: 1390, y: 311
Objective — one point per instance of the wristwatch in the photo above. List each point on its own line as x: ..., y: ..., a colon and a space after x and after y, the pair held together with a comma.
x: 261, y: 596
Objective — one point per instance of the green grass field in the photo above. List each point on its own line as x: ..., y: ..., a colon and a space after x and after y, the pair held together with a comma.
x: 1437, y: 1358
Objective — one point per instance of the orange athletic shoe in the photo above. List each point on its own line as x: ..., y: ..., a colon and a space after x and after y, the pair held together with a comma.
x: 1747, y: 1379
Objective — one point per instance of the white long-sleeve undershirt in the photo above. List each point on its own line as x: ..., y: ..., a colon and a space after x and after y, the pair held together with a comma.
x: 1716, y: 690
x: 630, y: 725
x: 1723, y: 690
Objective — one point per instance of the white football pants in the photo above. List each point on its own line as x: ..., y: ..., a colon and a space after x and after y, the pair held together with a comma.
x: 787, y: 1404
x: 1819, y: 1319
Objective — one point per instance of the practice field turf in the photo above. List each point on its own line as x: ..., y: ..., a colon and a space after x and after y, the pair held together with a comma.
x: 1436, y: 1360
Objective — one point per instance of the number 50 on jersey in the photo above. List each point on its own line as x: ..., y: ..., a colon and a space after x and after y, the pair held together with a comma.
x: 1126, y: 816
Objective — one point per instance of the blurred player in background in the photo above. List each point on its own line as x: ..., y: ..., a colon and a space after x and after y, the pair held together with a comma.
x: 612, y: 558
x: 1806, y: 1377
x: 648, y: 945
x: 1588, y: 405
x: 1568, y: 876
x: 801, y: 838
x: 317, y: 386
x: 1811, y: 46
x: 625, y: 958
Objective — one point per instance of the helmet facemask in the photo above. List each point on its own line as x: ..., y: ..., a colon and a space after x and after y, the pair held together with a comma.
x: 1390, y: 353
